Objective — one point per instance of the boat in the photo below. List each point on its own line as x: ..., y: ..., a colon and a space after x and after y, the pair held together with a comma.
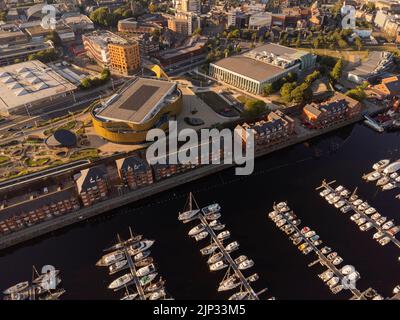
x: 144, y: 262
x: 361, y: 221
x: 224, y: 235
x: 302, y: 246
x: 339, y: 188
x: 197, y: 229
x: 280, y: 223
x: 345, y: 208
x: 340, y: 204
x: 213, y: 216
x: 345, y: 193
x: 381, y: 164
x: 366, y: 227
x: 201, y: 235
x: 45, y: 276
x: 363, y: 206
x: 387, y: 225
x: 378, y: 235
x: 369, y: 122
x: 254, y: 277
x: 353, y: 276
x: 333, y: 282
x: 355, y: 217
x: 393, y: 231
x: 317, y: 242
x: 332, y: 255
x: 382, y: 181
x: 240, y: 259
x: 307, y: 250
x: 309, y: 234
x: 141, y: 255
x: 121, y: 244
x: 239, y: 296
x: 157, y: 295
x: 118, y: 266
x: 389, y: 186
x: 324, y: 192
x: 277, y: 217
x: 336, y: 199
x: 314, y: 238
x: 246, y: 264
x: 397, y: 179
x: 144, y: 271
x: 393, y: 167
x: 375, y: 216
x: 110, y: 258
x: 337, y: 260
x: 213, y: 223
x: 148, y: 278
x: 381, y: 221
x: 396, y: 289
x: 121, y: 282
x: 326, y: 250
x: 50, y: 283
x: 17, y: 288
x: 347, y: 269
x: 229, y: 283
x: 370, y: 210
x: 337, y: 289
x: 218, y: 266
x: 209, y: 249
x: 297, y: 241
x: 305, y: 230
x: 289, y: 230
x: 272, y: 214
x: 218, y: 227
x: 232, y: 247
x: 188, y: 214
x: 23, y: 295
x: 212, y: 208
x: 131, y: 296
x: 394, y: 175
x: 353, y: 198
x: 384, y: 241
x: 155, y: 286
x: 326, y: 275
x: 53, y: 295
x: 140, y: 246
x: 296, y: 222
x: 357, y: 202
x: 374, y: 176
x: 215, y: 258
x: 282, y: 207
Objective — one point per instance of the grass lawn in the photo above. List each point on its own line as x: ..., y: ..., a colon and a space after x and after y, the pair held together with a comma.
x: 345, y: 55
x: 89, y: 153
x: 67, y: 126
x: 37, y: 163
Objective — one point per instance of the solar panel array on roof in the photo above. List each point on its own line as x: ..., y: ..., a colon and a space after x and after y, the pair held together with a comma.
x: 138, y: 98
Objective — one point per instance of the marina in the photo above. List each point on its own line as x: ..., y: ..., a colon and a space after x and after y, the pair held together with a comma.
x: 307, y: 241
x: 364, y: 215
x: 385, y: 175
x: 44, y: 286
x: 220, y: 258
x: 133, y: 254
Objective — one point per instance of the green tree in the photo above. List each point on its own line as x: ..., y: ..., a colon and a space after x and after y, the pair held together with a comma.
x: 268, y: 89
x: 291, y: 77
x: 358, y: 43
x: 357, y: 93
x: 316, y: 43
x: 286, y: 90
x: 85, y: 83
x: 102, y: 17
x: 238, y: 48
x: 342, y: 44
x: 312, y: 77
x: 336, y: 72
x: 253, y: 107
x: 301, y: 93
x: 152, y: 7
x: 197, y: 31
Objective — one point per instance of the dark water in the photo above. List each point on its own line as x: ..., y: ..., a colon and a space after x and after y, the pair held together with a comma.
x: 291, y: 174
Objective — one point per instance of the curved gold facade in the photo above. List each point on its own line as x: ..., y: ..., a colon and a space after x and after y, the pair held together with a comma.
x: 131, y: 133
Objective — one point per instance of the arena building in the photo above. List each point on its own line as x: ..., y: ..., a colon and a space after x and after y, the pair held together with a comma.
x: 265, y: 64
x: 145, y: 104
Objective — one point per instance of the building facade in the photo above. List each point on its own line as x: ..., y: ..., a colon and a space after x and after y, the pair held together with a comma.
x: 135, y: 172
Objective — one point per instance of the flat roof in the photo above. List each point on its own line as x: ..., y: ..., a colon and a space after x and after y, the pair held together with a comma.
x: 248, y: 67
x: 138, y: 100
x: 27, y: 82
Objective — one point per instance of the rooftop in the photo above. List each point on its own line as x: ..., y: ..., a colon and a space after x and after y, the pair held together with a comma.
x: 135, y: 163
x: 27, y: 82
x: 87, y: 178
x: 191, y: 45
x: 104, y: 37
x: 138, y: 101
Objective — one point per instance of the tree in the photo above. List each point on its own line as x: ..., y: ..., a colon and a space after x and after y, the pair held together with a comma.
x: 291, y: 77
x: 316, y: 43
x: 226, y: 52
x: 297, y: 42
x: 286, y: 90
x: 336, y: 72
x: 312, y: 77
x: 253, y: 107
x: 197, y: 31
x: 3, y: 15
x: 268, y: 89
x: 357, y: 93
x: 342, y: 44
x: 103, y: 17
x: 301, y: 93
x: 238, y: 48
x: 85, y: 83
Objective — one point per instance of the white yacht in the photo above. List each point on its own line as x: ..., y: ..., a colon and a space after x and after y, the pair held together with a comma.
x: 157, y: 295
x: 272, y: 214
x: 375, y: 216
x: 209, y: 249
x: 232, y: 246
x: 141, y: 255
x: 201, y: 235
x: 333, y: 282
x: 384, y: 241
x: 355, y: 217
x: 148, y: 278
x: 188, y: 214
x: 140, y: 246
x: 197, y: 229
x: 339, y: 188
x: 324, y: 192
x: 347, y: 269
x: 230, y: 283
x: 378, y: 235
x: 345, y: 209
x: 121, y: 282
x: 389, y: 186
x: 110, y: 258
x: 218, y: 266
x: 242, y: 295
x: 374, y: 176
x: 119, y: 265
x: 131, y: 296
x: 370, y: 210
x: 218, y: 227
x: 361, y: 221
x: 387, y: 225
x: 146, y: 270
x: 215, y: 258
x: 212, y: 208
x: 17, y: 288
x: 337, y: 260
x: 224, y: 235
x: 394, y: 175
x: 357, y: 202
x: 381, y: 164
x: 340, y: 204
x: 246, y: 264
x: 326, y: 250
x: 326, y: 275
x: 382, y: 181
x: 381, y: 221
x: 366, y: 227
